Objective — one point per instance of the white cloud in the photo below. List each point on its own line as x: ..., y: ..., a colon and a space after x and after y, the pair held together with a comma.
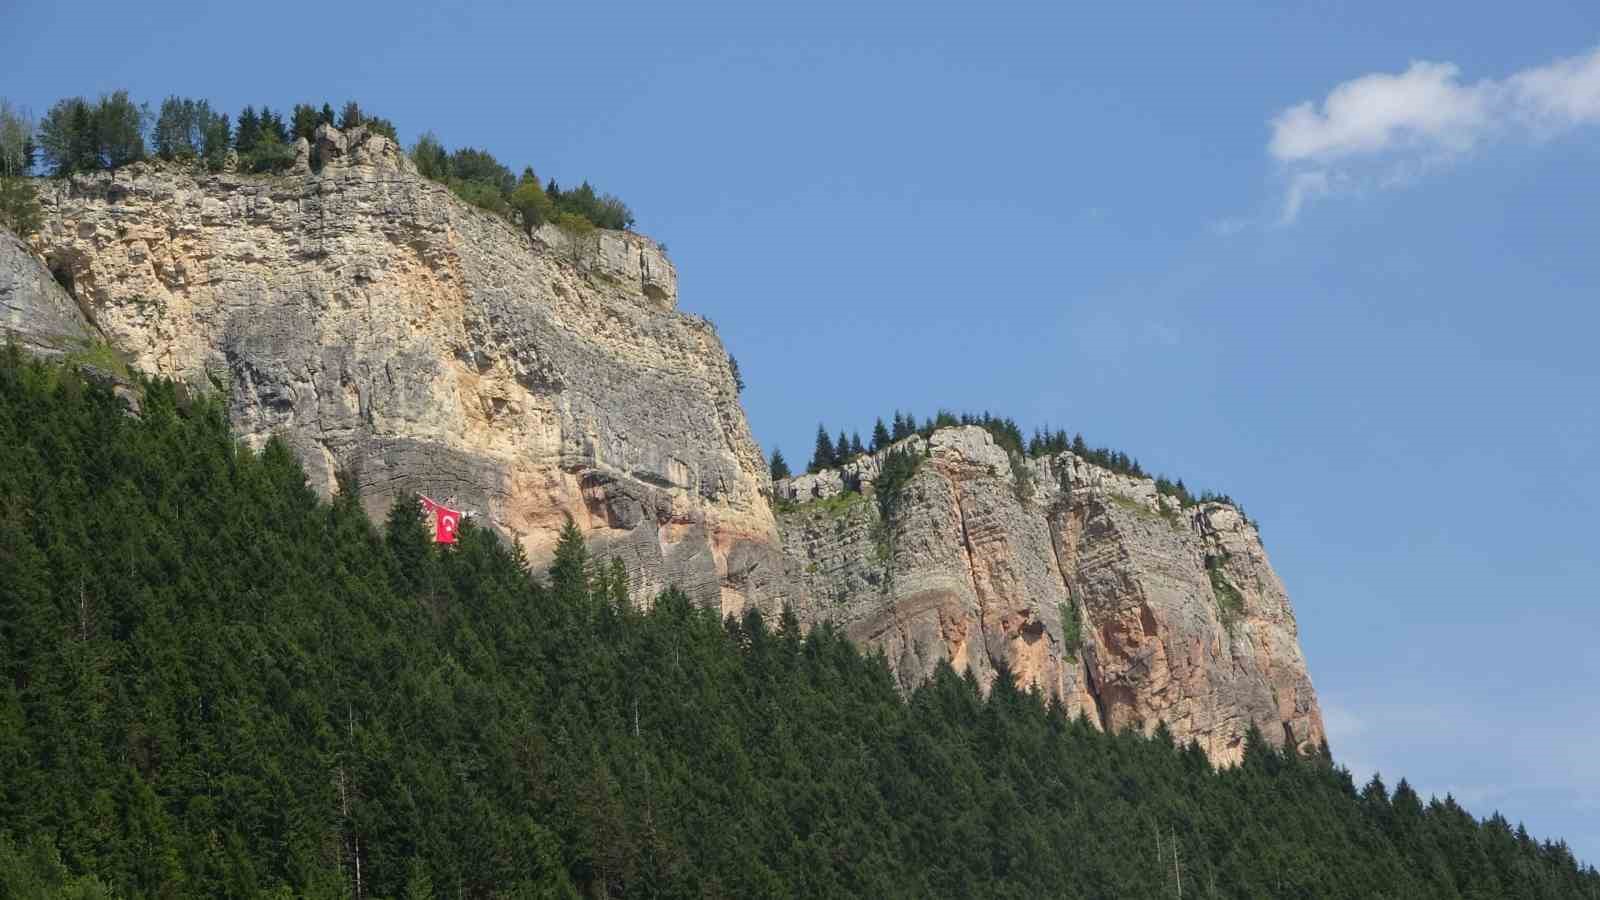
x: 1562, y: 94
x: 1381, y: 129
x: 1426, y: 104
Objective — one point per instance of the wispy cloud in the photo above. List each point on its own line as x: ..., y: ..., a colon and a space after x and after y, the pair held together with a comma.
x: 1303, y: 186
x: 1228, y: 227
x: 1382, y: 129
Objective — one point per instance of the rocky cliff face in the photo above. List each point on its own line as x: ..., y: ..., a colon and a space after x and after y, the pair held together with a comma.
x: 386, y: 330
x: 35, y: 311
x: 1177, y: 613
x: 381, y: 326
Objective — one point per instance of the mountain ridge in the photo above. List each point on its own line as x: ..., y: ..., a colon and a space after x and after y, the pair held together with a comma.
x: 389, y: 331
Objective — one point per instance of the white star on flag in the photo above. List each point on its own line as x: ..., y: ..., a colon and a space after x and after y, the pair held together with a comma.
x: 446, y: 521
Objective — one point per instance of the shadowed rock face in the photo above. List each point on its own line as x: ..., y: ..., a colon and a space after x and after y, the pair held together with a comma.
x: 381, y: 326
x: 35, y: 311
x: 979, y: 565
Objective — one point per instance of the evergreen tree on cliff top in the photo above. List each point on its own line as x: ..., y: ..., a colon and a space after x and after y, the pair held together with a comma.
x: 779, y: 466
x: 822, y: 457
x: 880, y: 436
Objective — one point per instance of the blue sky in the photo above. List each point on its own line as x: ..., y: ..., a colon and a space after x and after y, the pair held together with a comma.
x: 1336, y: 260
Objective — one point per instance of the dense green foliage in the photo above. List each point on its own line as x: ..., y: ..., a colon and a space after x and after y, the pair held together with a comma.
x: 187, y: 130
x: 899, y: 465
x: 216, y: 685
x: 1071, y: 630
x: 478, y: 178
x: 77, y: 135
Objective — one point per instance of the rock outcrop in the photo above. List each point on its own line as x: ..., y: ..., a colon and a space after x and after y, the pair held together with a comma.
x: 1089, y: 584
x: 35, y: 311
x: 385, y: 329
x: 396, y: 336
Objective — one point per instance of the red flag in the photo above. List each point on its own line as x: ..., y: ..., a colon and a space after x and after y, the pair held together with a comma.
x: 446, y: 521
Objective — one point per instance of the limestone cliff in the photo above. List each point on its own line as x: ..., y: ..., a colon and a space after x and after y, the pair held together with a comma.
x: 385, y: 329
x: 1179, y: 615
x: 35, y: 311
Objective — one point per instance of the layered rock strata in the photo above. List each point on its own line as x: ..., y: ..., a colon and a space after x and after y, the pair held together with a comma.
x: 1089, y: 584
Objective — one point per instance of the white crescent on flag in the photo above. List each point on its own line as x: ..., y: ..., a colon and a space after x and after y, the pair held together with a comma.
x: 446, y: 521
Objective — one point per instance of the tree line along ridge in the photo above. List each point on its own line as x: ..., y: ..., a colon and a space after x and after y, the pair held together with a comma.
x: 830, y: 453
x: 77, y: 135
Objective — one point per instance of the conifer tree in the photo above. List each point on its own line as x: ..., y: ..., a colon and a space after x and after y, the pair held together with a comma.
x: 218, y: 136
x: 779, y: 467
x: 303, y: 121
x: 351, y: 116
x: 880, y: 436
x: 841, y: 449
x: 119, y: 126
x: 248, y: 131
x: 272, y: 125
x: 569, y: 572
x: 856, y: 448
x: 822, y: 456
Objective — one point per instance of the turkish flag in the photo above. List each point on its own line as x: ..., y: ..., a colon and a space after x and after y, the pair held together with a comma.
x: 446, y: 521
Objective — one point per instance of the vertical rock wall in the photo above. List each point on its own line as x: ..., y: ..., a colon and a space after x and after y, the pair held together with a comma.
x: 1179, y: 615
x: 382, y: 327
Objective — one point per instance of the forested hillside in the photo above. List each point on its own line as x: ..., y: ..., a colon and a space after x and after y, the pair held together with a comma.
x: 217, y: 685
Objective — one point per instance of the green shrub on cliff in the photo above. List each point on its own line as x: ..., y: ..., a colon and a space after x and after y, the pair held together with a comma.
x: 1071, y: 630
x: 1230, y: 603
x: 531, y: 202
